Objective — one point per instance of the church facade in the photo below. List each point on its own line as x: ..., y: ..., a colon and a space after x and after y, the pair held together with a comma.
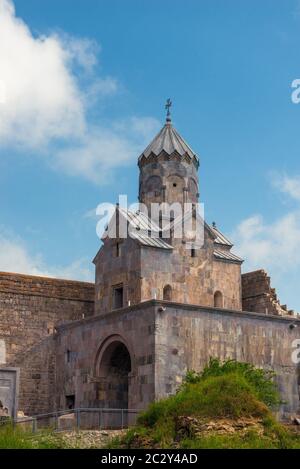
x: 161, y: 304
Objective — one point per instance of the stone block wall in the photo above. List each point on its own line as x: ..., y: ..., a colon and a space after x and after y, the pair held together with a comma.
x: 187, y: 336
x: 167, y: 339
x: 259, y: 296
x: 113, y: 270
x: 80, y: 358
x: 194, y: 280
x: 30, y: 309
x: 226, y: 278
x: 37, y: 378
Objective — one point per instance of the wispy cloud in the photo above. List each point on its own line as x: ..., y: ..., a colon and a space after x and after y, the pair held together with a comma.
x: 16, y: 257
x: 274, y: 245
x: 103, y: 149
x: 48, y: 86
x: 289, y: 185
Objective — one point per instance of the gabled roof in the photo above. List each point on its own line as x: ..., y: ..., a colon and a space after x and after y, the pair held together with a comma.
x: 139, y: 220
x: 220, y: 238
x: 188, y: 214
x: 142, y: 229
x: 148, y: 241
x: 169, y: 141
x: 227, y: 256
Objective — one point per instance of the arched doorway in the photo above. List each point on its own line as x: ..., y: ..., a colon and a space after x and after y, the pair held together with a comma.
x: 114, y: 366
x: 218, y: 299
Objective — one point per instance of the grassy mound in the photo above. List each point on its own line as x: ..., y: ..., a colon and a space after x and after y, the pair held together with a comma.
x: 228, y: 405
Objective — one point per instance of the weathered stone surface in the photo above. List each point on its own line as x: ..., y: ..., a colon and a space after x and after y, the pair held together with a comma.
x: 144, y: 272
x: 30, y: 309
x: 86, y: 377
x: 152, y: 334
x: 258, y: 296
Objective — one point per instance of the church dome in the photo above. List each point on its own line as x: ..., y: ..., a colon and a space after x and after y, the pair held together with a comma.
x: 170, y: 142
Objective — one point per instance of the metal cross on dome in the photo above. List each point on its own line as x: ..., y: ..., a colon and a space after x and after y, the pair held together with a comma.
x: 167, y: 106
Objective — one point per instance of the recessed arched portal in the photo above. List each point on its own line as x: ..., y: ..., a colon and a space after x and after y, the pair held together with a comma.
x: 113, y: 369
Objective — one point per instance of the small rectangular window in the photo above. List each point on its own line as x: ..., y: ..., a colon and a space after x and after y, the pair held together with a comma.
x: 118, y: 297
x: 70, y: 401
x: 193, y: 252
x: 71, y: 357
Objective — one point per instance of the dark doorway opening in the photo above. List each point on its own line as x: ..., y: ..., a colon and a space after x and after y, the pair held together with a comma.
x: 114, y: 369
x: 70, y: 401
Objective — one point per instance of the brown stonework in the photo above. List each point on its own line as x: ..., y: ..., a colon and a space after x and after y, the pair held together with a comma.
x: 30, y: 310
x: 144, y: 272
x: 258, y: 296
x: 164, y: 340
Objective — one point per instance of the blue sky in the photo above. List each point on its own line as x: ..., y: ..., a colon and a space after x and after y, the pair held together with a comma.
x: 85, y: 83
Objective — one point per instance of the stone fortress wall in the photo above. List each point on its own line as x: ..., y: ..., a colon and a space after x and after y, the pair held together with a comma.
x: 164, y: 340
x: 30, y: 310
x: 259, y: 296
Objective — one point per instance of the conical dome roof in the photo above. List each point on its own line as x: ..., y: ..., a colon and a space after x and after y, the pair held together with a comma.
x: 169, y: 141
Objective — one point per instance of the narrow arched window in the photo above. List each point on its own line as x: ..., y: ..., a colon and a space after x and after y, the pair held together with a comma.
x: 218, y: 299
x: 167, y: 294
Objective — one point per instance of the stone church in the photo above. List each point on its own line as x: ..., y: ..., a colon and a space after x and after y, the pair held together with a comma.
x: 160, y: 305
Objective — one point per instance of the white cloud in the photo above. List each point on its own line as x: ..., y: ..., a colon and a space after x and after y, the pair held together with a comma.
x: 48, y: 85
x: 42, y: 99
x: 103, y: 149
x: 274, y: 246
x: 289, y: 185
x: 270, y: 246
x: 15, y: 257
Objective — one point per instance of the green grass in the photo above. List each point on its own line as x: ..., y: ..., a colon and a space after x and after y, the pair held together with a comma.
x: 16, y: 438
x: 229, y: 390
x: 262, y: 381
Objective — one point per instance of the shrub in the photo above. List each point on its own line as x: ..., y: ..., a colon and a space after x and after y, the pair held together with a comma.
x: 230, y: 395
x: 262, y: 381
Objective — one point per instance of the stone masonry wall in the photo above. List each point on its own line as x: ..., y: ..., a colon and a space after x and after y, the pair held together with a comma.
x: 79, y: 350
x: 194, y: 280
x: 258, y: 296
x: 37, y: 378
x: 30, y: 309
x: 187, y: 336
x: 167, y: 339
x: 112, y: 270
